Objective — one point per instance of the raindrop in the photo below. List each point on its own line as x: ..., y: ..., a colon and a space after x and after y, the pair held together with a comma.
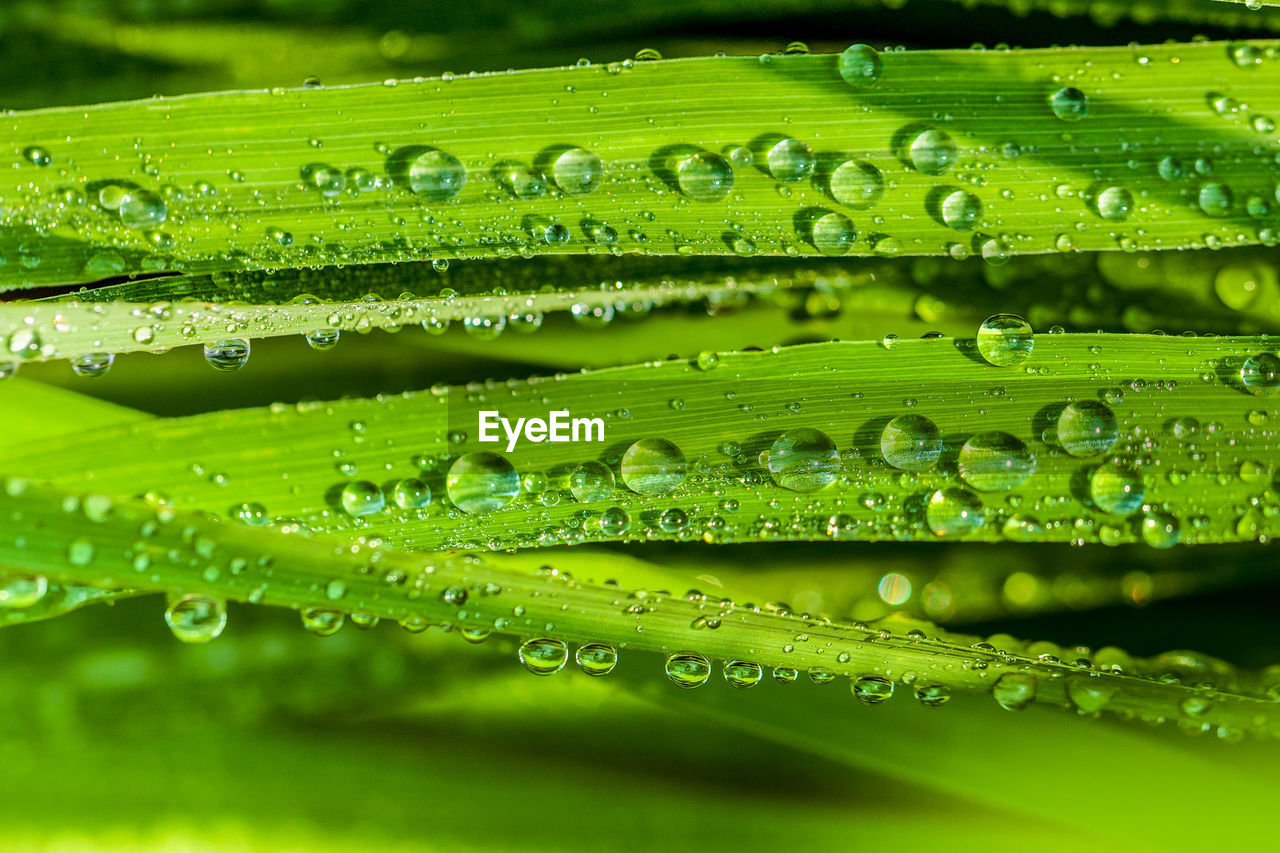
x: 1069, y: 104
x: 596, y: 659
x: 1114, y: 204
x: 652, y: 466
x: 872, y: 689
x: 227, y: 356
x: 743, y: 674
x: 932, y: 152
x: 93, y: 364
x: 1005, y: 340
x: 954, y: 512
x: 910, y: 443
x: 195, y: 619
x: 687, y: 669
x: 803, y: 460
x: 436, y: 175
x: 1116, y: 489
x: 790, y: 160
x: 543, y: 655
x: 1014, y: 691
x: 577, y: 171
x: 360, y: 498
x: 995, y: 461
x: 860, y: 66
x: 961, y: 210
x: 1087, y: 428
x: 591, y: 481
x: 1260, y: 374
x: 481, y: 482
x: 856, y: 184
x: 705, y: 176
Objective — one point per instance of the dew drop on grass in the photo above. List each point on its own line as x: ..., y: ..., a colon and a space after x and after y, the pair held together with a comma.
x: 195, y: 618
x: 93, y: 364
x: 856, y: 184
x: 596, y: 659
x: 37, y: 155
x: 227, y: 356
x: 436, y: 175
x: 954, y: 512
x: 652, y: 466
x: 322, y: 623
x: 1171, y: 168
x: 360, y: 498
x: 872, y: 689
x: 1014, y: 691
x: 790, y: 160
x: 24, y: 343
x: 325, y: 179
x: 933, y: 152
x: 705, y: 176
x: 1116, y: 489
x: 19, y: 591
x: 322, y: 339
x: 614, y: 521
x: 80, y: 551
x: 961, y: 210
x: 1161, y: 530
x: 1260, y: 374
x: 785, y: 675
x: 932, y: 695
x: 1087, y: 428
x: 577, y: 171
x: 743, y: 674
x: 1215, y: 199
x: 995, y: 461
x: 1089, y: 694
x: 803, y: 460
x: 860, y: 65
x: 591, y: 481
x: 543, y: 655
x: 687, y: 669
x: 1005, y: 340
x: 142, y: 209
x: 911, y: 443
x: 481, y: 482
x: 1069, y: 104
x: 1114, y: 204
x: 522, y: 181
x: 411, y: 493
x: 832, y: 234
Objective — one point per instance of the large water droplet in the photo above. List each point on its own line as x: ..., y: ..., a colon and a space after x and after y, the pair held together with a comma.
x: 1161, y: 530
x: 790, y: 160
x: 932, y: 151
x: 1260, y: 374
x: 1087, y: 428
x: 1215, y: 199
x: 1069, y: 104
x: 591, y: 481
x: 1014, y: 691
x: 481, y: 482
x: 142, y: 209
x: 910, y: 443
x: 93, y: 364
x: 195, y: 619
x: 705, y: 176
x: 1114, y: 204
x: 832, y: 233
x: 954, y: 512
x: 1089, y: 694
x: 543, y: 655
x: 361, y: 497
x: 1116, y: 489
x: 872, y: 689
x: 856, y: 184
x: 995, y: 461
x: 652, y: 466
x: 227, y: 356
x: 860, y: 65
x: 803, y: 460
x: 436, y: 175
x: 743, y: 674
x: 961, y: 210
x: 577, y: 171
x: 20, y: 591
x: 596, y: 659
x: 1005, y: 340
x: 687, y: 669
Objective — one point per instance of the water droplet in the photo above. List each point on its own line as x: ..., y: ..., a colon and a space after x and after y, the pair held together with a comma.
x: 481, y: 482
x: 932, y: 152
x: 860, y: 65
x: 195, y: 619
x: 932, y: 695
x: 1215, y: 199
x: 872, y: 689
x: 1246, y: 55
x: 24, y: 343
x: 142, y: 209
x: 856, y: 184
x: 80, y: 552
x: 1116, y: 489
x: 1089, y: 694
x: 1161, y: 530
x: 614, y: 521
x: 910, y: 443
x: 543, y: 655
x: 93, y: 364
x: 37, y: 155
x: 790, y: 160
x: 954, y: 512
x: 322, y: 623
x: 17, y: 591
x: 1260, y: 374
x: 1005, y: 340
x: 1114, y: 204
x: 1087, y: 428
x: 743, y: 674
x: 1014, y: 691
x: 577, y: 171
x: 522, y: 181
x: 360, y: 497
x: 832, y: 233
x: 227, y: 356
x: 330, y: 182
x: 652, y: 466
x: 411, y: 493
x: 322, y: 339
x: 591, y: 481
x: 596, y: 659
x: 687, y: 669
x: 436, y: 175
x: 705, y: 176
x: 1171, y: 169
x: 1069, y: 104
x: 961, y: 210
x: 995, y: 461
x: 803, y: 460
